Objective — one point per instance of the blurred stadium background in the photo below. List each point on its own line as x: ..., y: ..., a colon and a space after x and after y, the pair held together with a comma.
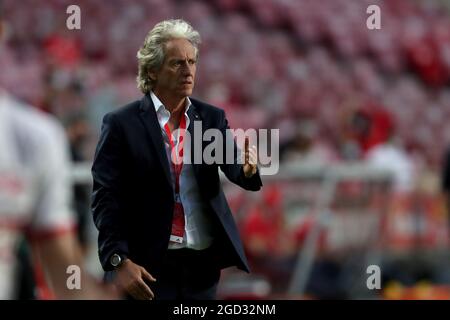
x: 362, y: 117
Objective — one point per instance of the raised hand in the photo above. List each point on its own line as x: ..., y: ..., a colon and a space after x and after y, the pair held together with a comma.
x: 250, y: 160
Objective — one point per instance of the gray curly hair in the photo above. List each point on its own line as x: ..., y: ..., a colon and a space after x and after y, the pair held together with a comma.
x: 151, y: 55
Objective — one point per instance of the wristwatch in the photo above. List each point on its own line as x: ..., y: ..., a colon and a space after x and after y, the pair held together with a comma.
x: 115, y: 260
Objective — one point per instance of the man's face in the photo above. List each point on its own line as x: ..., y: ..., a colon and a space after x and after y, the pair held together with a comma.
x: 176, y: 76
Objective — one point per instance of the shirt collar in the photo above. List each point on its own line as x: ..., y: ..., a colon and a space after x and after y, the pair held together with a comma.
x: 158, y: 104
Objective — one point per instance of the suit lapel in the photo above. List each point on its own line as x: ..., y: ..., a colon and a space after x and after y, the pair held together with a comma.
x: 149, y: 118
x: 193, y: 116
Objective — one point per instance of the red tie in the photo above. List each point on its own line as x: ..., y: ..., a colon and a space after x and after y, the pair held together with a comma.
x: 177, y: 165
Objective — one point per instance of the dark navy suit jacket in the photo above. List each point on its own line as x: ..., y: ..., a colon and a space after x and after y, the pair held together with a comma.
x: 133, y: 200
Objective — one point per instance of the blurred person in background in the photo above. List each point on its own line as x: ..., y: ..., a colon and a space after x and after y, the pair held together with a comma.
x: 388, y: 153
x: 77, y: 131
x: 305, y: 147
x: 35, y: 200
x: 165, y: 229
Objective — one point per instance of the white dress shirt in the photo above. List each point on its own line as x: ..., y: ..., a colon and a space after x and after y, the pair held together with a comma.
x: 198, y: 227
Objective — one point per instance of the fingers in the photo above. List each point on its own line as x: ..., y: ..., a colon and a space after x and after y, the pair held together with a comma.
x: 140, y: 290
x: 147, y: 275
x: 250, y: 165
x: 135, y: 292
x: 252, y: 156
x: 130, y: 278
x: 145, y: 290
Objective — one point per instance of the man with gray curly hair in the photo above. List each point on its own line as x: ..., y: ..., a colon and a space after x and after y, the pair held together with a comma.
x: 165, y: 228
x: 151, y: 55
